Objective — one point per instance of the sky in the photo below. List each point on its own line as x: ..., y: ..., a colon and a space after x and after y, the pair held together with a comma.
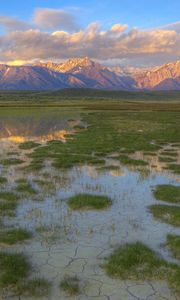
x: 119, y: 32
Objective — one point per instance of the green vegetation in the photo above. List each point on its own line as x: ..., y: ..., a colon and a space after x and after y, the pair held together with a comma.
x: 14, y: 267
x: 7, y: 208
x: 138, y: 262
x: 169, y: 153
x: 150, y: 153
x: 173, y: 242
x: 8, y: 203
x: 37, y: 287
x: 13, y: 236
x: 51, y: 98
x: 3, y: 180
x: 166, y: 159
x: 8, y: 196
x: 168, y: 193
x: 79, y: 127
x: 166, y: 213
x: 130, y: 161
x: 111, y: 131
x: 11, y: 161
x: 28, y: 145
x: 86, y: 201
x: 14, y: 271
x: 70, y: 285
x: 25, y: 187
x: 115, y: 127
x: 175, y: 168
x: 109, y: 168
x: 12, y: 153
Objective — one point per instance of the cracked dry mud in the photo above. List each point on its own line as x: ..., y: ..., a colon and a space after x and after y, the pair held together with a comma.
x: 67, y: 242
x: 76, y: 243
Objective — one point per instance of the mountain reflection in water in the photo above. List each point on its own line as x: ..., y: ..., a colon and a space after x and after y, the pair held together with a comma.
x: 42, y: 125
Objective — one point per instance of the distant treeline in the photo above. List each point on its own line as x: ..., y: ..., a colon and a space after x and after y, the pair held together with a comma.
x: 87, y: 94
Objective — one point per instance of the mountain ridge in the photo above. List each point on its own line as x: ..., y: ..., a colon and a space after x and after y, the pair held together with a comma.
x: 86, y: 73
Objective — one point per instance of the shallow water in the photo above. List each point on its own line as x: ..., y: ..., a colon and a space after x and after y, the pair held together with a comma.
x: 40, y: 124
x: 76, y: 243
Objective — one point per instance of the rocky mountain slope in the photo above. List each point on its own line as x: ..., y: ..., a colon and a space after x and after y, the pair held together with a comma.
x: 161, y: 78
x: 85, y: 73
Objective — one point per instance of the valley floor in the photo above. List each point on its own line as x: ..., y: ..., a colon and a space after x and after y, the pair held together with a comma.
x: 89, y: 200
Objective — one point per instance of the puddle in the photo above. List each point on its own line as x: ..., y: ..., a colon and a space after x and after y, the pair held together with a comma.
x: 72, y: 243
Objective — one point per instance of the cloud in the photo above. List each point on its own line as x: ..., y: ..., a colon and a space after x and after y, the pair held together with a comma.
x: 174, y: 26
x: 53, y: 19
x: 13, y: 24
x: 119, y: 27
x: 116, y: 43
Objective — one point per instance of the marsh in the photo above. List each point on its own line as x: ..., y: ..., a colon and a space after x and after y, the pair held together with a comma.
x: 51, y: 158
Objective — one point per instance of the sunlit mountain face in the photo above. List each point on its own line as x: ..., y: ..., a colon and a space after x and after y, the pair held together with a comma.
x: 85, y: 73
x: 19, y: 126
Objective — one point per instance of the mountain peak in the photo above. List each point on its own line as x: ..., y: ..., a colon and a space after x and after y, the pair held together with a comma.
x: 77, y: 62
x: 80, y: 61
x: 83, y: 72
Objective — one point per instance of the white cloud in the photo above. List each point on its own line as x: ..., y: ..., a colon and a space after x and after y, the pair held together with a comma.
x: 13, y: 24
x: 53, y: 19
x: 117, y: 43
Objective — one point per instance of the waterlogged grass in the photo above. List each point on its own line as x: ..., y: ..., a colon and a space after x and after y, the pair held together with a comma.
x: 25, y: 187
x: 12, y: 153
x: 8, y: 203
x: 111, y: 131
x: 168, y: 193
x: 166, y: 213
x: 169, y: 153
x: 3, y: 180
x: 109, y: 168
x: 8, y: 196
x: 150, y: 153
x: 37, y: 287
x: 175, y: 168
x: 13, y: 236
x: 28, y: 145
x: 173, y: 242
x: 87, y: 201
x: 11, y: 161
x: 7, y: 208
x: 130, y: 161
x: 64, y: 161
x: 166, y: 159
x: 46, y: 184
x: 138, y: 262
x: 70, y: 285
x: 14, y: 267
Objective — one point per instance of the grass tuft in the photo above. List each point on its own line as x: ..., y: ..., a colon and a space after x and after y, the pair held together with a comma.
x: 166, y: 213
x: 168, y: 193
x: 14, y: 267
x: 138, y: 262
x: 37, y: 287
x: 173, y: 242
x: 28, y: 145
x: 87, y: 201
x: 7, y: 208
x: 13, y: 236
x: 3, y: 180
x: 70, y: 285
x: 8, y: 196
x: 25, y: 187
x: 11, y: 161
x: 130, y: 161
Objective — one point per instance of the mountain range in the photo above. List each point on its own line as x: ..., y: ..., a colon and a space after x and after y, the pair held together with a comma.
x: 85, y: 73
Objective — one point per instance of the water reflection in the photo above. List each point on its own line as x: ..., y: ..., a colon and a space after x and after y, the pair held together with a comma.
x: 41, y: 125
